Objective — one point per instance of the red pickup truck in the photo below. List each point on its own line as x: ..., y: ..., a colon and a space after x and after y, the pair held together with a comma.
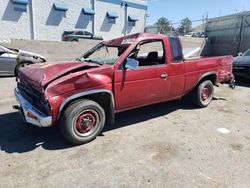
x: 114, y: 76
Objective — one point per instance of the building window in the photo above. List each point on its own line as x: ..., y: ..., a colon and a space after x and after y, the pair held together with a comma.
x: 132, y: 20
x: 112, y: 17
x: 20, y: 5
x: 60, y: 7
x: 88, y: 13
x: 87, y: 17
x: 111, y: 20
x: 20, y: 2
x: 131, y: 24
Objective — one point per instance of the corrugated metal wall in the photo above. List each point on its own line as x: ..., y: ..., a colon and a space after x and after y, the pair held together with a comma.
x: 228, y: 35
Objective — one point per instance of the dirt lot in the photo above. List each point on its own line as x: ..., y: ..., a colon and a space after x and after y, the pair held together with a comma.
x: 164, y: 145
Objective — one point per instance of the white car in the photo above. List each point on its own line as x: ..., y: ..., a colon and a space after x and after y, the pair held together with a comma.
x: 12, y: 59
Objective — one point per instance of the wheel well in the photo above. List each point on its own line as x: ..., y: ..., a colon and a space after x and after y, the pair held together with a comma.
x: 211, y: 77
x: 103, y: 99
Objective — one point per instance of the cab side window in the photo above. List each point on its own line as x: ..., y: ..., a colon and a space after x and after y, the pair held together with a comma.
x: 176, y: 49
x: 149, y: 53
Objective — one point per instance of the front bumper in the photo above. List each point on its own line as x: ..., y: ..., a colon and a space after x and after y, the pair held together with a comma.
x: 31, y: 114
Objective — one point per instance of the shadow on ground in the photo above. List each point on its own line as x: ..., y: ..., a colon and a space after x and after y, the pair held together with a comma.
x: 16, y: 137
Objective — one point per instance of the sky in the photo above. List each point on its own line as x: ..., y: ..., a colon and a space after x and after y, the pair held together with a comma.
x: 176, y: 10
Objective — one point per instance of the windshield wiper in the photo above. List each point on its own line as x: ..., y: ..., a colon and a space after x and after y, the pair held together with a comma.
x: 92, y: 61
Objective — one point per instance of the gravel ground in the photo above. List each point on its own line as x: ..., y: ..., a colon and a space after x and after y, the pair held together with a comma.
x: 165, y: 145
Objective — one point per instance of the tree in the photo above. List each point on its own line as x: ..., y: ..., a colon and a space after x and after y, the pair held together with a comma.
x: 163, y: 25
x: 185, y: 26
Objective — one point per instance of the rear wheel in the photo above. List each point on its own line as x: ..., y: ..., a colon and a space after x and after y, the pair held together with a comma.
x: 82, y: 121
x: 203, y: 94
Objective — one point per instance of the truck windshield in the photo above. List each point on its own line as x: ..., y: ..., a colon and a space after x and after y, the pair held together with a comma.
x: 103, y: 54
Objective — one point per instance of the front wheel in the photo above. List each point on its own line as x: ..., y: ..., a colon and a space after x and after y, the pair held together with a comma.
x: 82, y: 121
x: 203, y: 94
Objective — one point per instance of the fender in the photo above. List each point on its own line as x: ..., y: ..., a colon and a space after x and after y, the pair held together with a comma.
x: 213, y: 73
x: 82, y: 94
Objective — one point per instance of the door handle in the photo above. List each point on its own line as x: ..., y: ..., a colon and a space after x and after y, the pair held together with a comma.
x: 164, y: 76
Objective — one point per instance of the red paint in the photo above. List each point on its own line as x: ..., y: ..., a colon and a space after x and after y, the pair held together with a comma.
x: 131, y: 88
x: 85, y: 122
x: 205, y: 93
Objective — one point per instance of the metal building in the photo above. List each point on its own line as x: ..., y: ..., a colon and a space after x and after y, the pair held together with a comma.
x: 47, y: 19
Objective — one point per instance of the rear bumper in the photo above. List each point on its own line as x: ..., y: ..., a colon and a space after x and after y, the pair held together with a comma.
x: 229, y: 79
x: 31, y: 114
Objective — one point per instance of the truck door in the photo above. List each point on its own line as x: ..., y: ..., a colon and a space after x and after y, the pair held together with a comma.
x: 146, y: 84
x: 176, y: 69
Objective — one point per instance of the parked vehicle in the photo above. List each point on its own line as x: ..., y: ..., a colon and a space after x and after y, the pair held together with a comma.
x: 241, y: 65
x: 114, y: 76
x: 190, y: 34
x: 76, y: 35
x: 195, y: 34
x: 12, y: 59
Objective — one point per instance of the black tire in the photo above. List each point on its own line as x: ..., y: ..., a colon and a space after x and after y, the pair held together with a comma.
x: 74, y: 40
x: 20, y: 65
x: 203, y: 94
x: 73, y: 125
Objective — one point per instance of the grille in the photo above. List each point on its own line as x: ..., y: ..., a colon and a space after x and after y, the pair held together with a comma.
x: 34, y: 97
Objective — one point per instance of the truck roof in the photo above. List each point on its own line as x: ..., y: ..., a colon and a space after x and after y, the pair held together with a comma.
x: 128, y: 39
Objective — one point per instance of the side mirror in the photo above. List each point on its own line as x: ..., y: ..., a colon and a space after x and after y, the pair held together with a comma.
x: 240, y: 54
x: 131, y: 64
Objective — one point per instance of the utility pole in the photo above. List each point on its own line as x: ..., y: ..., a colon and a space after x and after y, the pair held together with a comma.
x: 31, y: 15
x: 241, y: 31
x: 202, y: 26
x: 171, y: 32
x: 93, y: 18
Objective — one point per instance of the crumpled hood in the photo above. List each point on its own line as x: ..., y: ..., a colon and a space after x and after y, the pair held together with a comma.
x: 39, y: 75
x: 241, y: 61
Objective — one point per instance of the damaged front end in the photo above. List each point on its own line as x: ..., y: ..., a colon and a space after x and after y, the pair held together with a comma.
x: 41, y: 88
x: 31, y: 114
x: 33, y: 106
